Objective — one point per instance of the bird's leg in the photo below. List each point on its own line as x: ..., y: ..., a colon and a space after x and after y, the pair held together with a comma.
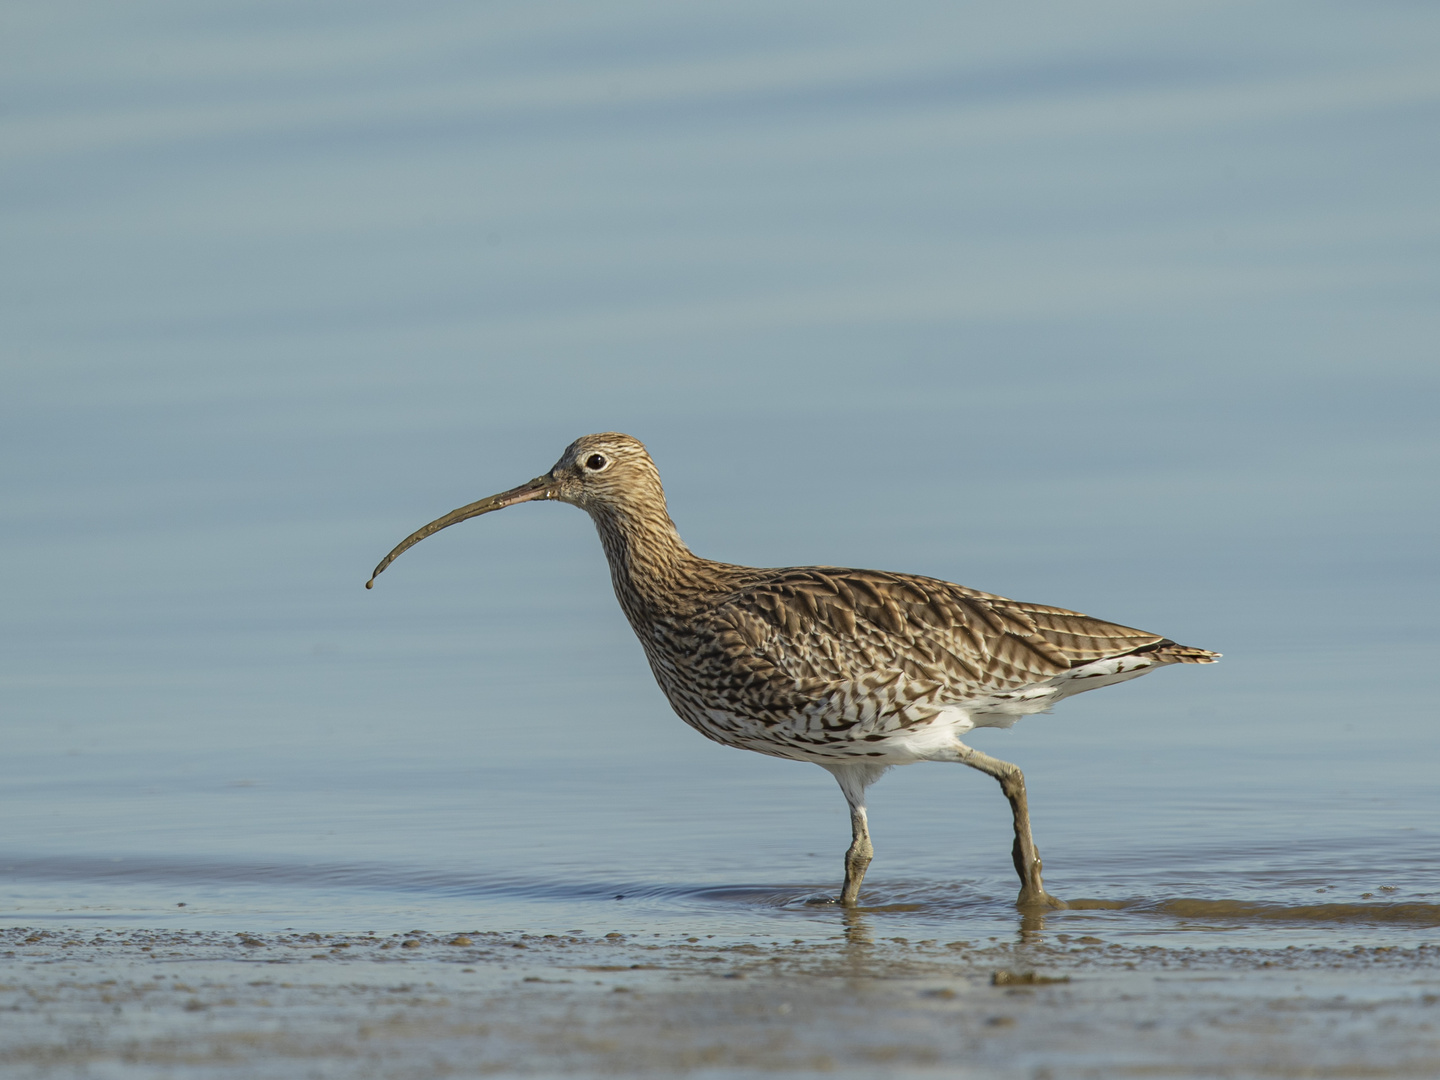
x: 857, y: 859
x: 853, y: 780
x: 1027, y: 858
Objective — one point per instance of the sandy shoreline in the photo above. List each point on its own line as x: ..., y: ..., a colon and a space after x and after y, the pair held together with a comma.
x: 171, y: 1003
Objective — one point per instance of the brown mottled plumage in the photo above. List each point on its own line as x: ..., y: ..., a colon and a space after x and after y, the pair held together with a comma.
x: 855, y: 670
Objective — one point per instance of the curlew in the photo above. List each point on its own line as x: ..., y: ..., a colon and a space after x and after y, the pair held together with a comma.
x: 854, y: 670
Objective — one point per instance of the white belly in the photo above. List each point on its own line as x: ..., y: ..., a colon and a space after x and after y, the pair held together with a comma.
x: 906, y: 737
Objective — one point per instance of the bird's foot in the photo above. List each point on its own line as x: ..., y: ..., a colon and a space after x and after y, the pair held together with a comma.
x: 831, y: 901
x: 1038, y: 900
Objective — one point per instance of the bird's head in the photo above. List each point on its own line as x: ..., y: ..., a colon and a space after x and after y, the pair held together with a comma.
x: 601, y: 474
x: 604, y: 472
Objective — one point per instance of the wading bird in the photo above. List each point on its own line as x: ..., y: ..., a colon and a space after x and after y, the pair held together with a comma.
x: 854, y: 670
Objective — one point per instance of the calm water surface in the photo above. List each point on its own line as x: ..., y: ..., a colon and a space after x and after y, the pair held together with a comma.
x: 1128, y: 310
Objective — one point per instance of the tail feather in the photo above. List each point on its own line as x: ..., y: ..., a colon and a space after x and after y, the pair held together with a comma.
x: 1169, y: 652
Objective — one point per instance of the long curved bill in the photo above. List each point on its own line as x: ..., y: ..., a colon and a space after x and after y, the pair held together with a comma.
x: 542, y: 487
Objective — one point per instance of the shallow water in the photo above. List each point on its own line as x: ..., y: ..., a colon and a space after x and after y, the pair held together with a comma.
x: 1129, y: 312
x: 694, y: 847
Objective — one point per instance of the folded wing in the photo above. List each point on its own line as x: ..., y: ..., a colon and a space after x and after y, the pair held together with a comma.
x: 853, y: 641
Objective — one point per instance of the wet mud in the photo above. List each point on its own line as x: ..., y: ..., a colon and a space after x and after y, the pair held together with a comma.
x: 121, y: 1003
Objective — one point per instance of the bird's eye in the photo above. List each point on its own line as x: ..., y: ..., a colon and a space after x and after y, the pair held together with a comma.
x: 596, y: 462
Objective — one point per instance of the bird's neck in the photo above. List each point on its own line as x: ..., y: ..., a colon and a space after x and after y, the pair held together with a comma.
x: 652, y: 569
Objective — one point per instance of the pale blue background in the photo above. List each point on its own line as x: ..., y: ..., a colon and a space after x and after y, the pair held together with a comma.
x: 1127, y: 307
